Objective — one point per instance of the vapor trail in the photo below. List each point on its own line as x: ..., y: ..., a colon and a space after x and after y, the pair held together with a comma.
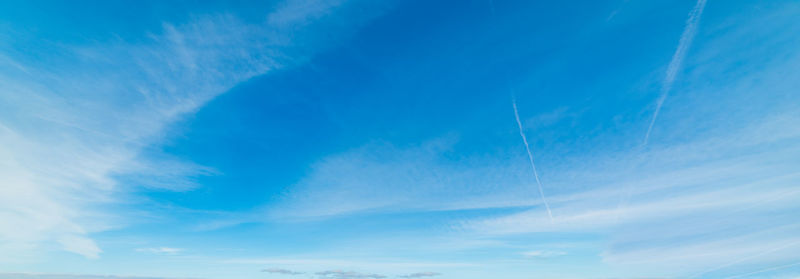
x: 530, y: 158
x: 770, y: 251
x: 764, y: 270
x: 677, y: 59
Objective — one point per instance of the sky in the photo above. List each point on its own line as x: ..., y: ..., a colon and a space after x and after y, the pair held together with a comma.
x: 357, y: 139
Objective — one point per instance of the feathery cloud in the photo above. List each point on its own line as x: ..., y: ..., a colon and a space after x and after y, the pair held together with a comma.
x: 73, y: 126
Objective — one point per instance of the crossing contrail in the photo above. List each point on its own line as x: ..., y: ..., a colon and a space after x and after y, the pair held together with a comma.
x: 530, y: 158
x: 677, y: 59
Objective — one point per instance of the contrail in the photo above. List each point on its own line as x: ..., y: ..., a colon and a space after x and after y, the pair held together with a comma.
x: 530, y: 158
x: 748, y: 258
x: 669, y: 78
x: 764, y: 270
x: 677, y: 58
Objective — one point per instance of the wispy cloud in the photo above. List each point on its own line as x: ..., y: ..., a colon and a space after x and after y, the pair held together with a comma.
x: 282, y: 271
x: 677, y: 59
x: 340, y: 274
x: 334, y: 263
x: 773, y: 268
x: 543, y: 254
x: 420, y: 275
x: 160, y: 250
x: 749, y: 257
x: 119, y: 99
x: 73, y: 127
x: 293, y: 14
x: 732, y: 191
x: 384, y: 178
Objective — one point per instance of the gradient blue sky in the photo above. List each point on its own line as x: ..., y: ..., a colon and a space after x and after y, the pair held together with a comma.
x: 355, y: 139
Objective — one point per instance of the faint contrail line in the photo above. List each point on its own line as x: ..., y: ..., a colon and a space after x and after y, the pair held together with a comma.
x: 773, y: 250
x: 677, y: 59
x: 764, y: 270
x: 530, y: 158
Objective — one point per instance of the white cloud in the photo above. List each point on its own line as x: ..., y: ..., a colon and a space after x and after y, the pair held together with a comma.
x: 63, y: 151
x: 72, y: 124
x: 339, y: 262
x: 299, y: 12
x: 383, y: 177
x: 80, y: 245
x: 340, y: 274
x: 160, y: 250
x: 420, y: 274
x: 543, y: 254
x: 281, y: 271
x: 695, y: 214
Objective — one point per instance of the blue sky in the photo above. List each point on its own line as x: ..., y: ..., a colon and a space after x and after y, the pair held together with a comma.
x: 400, y: 139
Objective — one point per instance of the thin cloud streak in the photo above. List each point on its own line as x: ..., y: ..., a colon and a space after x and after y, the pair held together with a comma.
x: 74, y: 128
x: 160, y: 250
x: 340, y: 274
x: 677, y: 59
x: 282, y: 271
x: 420, y: 275
x: 71, y: 152
x: 764, y: 270
x: 530, y: 158
x: 543, y: 254
x: 767, y: 252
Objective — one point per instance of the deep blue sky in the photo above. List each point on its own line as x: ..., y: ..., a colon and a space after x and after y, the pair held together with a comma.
x: 399, y: 139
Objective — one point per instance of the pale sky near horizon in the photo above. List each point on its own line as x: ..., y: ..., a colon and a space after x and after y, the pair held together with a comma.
x: 357, y: 139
